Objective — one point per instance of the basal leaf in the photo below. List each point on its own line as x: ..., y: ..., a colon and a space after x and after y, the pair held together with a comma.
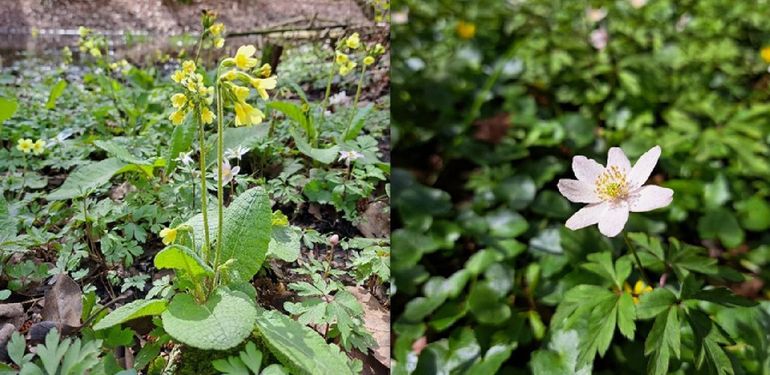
x: 301, y: 349
x: 131, y: 311
x: 246, y: 231
x: 86, y: 178
x: 222, y: 322
x: 8, y: 107
x: 323, y: 155
x: 285, y: 243
x: 181, y: 141
x: 55, y: 93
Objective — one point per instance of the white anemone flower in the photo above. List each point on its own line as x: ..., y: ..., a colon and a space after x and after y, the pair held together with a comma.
x: 350, y: 156
x: 599, y: 38
x: 339, y: 98
x: 236, y: 153
x: 185, y: 158
x: 228, y: 172
x: 614, y: 191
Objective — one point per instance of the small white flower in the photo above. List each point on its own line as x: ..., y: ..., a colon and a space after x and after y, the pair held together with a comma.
x: 350, y: 156
x: 185, y: 158
x: 614, y: 191
x: 599, y: 38
x: 682, y: 22
x: 228, y: 172
x: 339, y: 98
x: 596, y: 15
x: 236, y: 153
x: 638, y: 3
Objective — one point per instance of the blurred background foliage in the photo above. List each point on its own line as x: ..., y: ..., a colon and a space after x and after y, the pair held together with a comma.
x: 491, y: 101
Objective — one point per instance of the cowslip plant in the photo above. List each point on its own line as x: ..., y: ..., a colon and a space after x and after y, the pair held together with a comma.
x: 214, y: 307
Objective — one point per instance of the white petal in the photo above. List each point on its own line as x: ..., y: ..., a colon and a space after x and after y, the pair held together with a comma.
x: 650, y: 197
x: 578, y: 191
x: 586, y: 170
x: 613, y: 219
x: 643, y: 167
x: 616, y: 157
x: 588, y: 215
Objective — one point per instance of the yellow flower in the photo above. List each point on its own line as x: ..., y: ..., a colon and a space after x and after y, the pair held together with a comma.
x: 191, y: 85
x: 378, y: 49
x: 38, y: 147
x: 178, y: 100
x: 217, y: 28
x: 347, y: 68
x: 765, y: 54
x: 188, y: 66
x: 207, y: 116
x: 245, y: 114
x: 242, y: 93
x: 177, y: 117
x: 243, y: 59
x: 640, y: 288
x: 25, y: 145
x: 265, y: 70
x: 219, y: 42
x: 262, y: 85
x: 168, y: 235
x: 368, y: 60
x: 465, y: 30
x: 353, y: 41
x: 340, y: 58
x: 178, y: 76
x: 229, y: 75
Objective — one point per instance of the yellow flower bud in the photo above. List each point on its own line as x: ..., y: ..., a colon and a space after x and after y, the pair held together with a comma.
x: 368, y: 60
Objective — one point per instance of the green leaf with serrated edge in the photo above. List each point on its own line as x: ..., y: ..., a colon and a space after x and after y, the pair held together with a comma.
x: 86, y: 178
x: 246, y: 232
x: 653, y: 303
x: 222, y: 322
x: 284, y: 243
x: 626, y: 315
x: 722, y: 296
x: 298, y: 347
x: 182, y: 258
x: 131, y: 311
x: 8, y: 226
x: 196, y: 222
x: 601, y: 264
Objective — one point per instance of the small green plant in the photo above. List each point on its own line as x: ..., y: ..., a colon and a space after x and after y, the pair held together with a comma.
x: 248, y: 361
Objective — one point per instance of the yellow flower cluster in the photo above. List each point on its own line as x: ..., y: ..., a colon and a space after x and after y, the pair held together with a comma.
x: 348, y: 46
x: 89, y: 43
x: 121, y: 66
x: 217, y: 30
x: 246, y: 73
x: 26, y: 146
x: 197, y: 98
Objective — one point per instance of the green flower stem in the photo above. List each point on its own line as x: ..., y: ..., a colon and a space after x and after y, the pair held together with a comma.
x: 328, y: 86
x: 220, y: 190
x: 355, y: 99
x: 204, y: 192
x: 636, y: 259
x: 23, y: 176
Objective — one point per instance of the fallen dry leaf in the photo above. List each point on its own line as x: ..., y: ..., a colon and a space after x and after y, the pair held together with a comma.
x: 375, y: 221
x: 64, y: 304
x: 377, y: 322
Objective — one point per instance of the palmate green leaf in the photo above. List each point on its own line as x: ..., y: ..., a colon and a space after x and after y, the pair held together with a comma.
x: 131, y: 311
x: 183, y: 259
x: 86, y: 178
x: 247, y: 231
x: 663, y: 340
x: 722, y: 296
x: 719, y: 223
x: 709, y: 354
x: 601, y: 264
x: 653, y: 303
x: 285, y: 243
x: 300, y: 349
x: 222, y: 322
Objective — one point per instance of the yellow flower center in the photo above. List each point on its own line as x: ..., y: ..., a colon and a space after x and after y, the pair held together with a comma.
x: 612, y: 184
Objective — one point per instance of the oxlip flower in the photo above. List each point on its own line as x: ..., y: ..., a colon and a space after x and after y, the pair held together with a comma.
x: 25, y: 145
x: 613, y: 191
x: 353, y: 41
x: 243, y: 59
x: 168, y: 235
x: 264, y: 84
x: 38, y: 147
